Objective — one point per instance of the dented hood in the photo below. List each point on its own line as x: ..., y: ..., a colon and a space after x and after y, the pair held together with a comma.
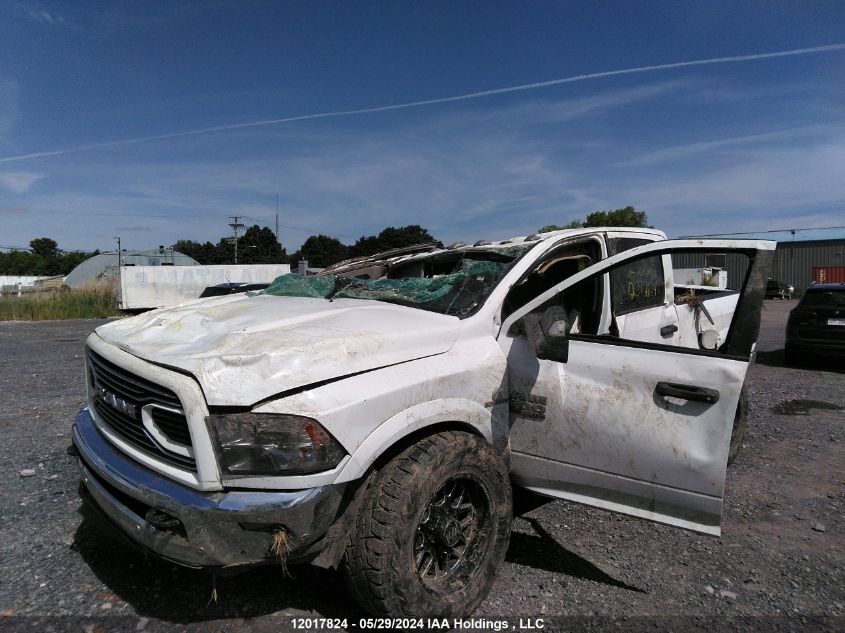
x: 243, y: 349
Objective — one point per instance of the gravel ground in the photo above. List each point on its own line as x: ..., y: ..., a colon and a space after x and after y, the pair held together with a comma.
x: 778, y: 564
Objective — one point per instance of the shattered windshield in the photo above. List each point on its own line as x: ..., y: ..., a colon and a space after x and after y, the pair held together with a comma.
x: 459, y: 292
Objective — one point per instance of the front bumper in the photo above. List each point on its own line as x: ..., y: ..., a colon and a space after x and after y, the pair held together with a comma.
x: 815, y: 347
x: 192, y: 528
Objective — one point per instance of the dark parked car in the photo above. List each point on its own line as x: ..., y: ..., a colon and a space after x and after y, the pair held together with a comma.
x: 778, y: 290
x: 230, y: 289
x: 816, y: 326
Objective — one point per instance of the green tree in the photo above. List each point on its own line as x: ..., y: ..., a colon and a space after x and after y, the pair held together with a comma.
x: 21, y: 263
x: 45, y: 247
x: 575, y: 224
x: 259, y: 246
x: 203, y: 253
x: 46, y: 259
x: 364, y: 245
x: 627, y: 216
x: 390, y: 237
x: 321, y: 251
x: 256, y: 246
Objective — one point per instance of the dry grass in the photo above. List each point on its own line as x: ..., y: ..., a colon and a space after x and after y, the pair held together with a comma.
x: 281, y: 547
x: 689, y: 298
x: 93, y: 302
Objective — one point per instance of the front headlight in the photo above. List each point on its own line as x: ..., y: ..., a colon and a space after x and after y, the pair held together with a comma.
x: 274, y: 444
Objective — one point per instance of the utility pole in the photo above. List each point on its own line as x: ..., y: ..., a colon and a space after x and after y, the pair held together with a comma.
x: 119, y: 274
x: 236, y: 226
x: 277, y: 218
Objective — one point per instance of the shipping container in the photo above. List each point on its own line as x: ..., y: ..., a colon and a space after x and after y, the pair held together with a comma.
x: 829, y: 274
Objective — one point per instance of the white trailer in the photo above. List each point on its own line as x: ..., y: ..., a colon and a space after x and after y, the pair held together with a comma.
x: 144, y: 287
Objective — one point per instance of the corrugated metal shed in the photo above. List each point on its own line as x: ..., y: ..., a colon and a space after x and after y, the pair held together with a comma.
x: 105, y: 264
x: 798, y: 252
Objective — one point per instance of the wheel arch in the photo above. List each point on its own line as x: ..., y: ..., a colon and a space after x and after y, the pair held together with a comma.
x: 404, y: 428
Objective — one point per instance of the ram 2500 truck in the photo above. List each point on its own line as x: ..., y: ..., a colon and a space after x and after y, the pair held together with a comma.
x: 376, y: 417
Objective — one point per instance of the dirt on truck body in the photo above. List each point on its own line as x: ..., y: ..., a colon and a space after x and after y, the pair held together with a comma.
x: 378, y: 417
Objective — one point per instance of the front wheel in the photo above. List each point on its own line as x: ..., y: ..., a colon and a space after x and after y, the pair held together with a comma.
x: 432, y: 531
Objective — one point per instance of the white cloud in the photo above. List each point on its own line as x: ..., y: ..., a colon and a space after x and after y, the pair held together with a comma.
x: 19, y: 181
x: 484, y: 173
x: 488, y: 182
x: 564, y: 110
x: 699, y: 148
x: 794, y: 187
x: 45, y: 17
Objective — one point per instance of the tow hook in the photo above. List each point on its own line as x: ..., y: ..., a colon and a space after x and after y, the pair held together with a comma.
x: 165, y: 522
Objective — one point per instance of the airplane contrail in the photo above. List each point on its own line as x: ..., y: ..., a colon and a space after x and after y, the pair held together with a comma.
x: 427, y: 102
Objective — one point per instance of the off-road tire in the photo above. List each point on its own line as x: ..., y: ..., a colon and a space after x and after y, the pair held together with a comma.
x: 379, y: 563
x: 740, y: 423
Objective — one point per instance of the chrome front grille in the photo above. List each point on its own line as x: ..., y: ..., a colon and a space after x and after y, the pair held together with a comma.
x: 139, y: 410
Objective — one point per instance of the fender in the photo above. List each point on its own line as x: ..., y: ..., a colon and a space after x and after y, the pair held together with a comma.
x: 413, y: 419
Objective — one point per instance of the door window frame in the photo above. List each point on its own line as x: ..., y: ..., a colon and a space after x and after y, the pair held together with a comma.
x: 744, y: 328
x: 546, y: 256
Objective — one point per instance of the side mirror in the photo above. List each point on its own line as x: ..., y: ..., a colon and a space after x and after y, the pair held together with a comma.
x: 708, y: 339
x: 547, y: 334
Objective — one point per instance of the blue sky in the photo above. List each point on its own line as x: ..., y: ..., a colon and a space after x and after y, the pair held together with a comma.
x: 732, y: 146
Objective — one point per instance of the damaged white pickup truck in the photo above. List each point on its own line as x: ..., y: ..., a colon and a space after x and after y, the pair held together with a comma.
x: 377, y: 416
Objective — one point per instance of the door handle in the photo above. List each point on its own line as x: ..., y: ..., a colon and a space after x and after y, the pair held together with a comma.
x: 668, y: 330
x: 688, y: 392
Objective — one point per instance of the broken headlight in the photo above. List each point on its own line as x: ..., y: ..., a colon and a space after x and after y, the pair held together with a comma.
x: 274, y: 444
